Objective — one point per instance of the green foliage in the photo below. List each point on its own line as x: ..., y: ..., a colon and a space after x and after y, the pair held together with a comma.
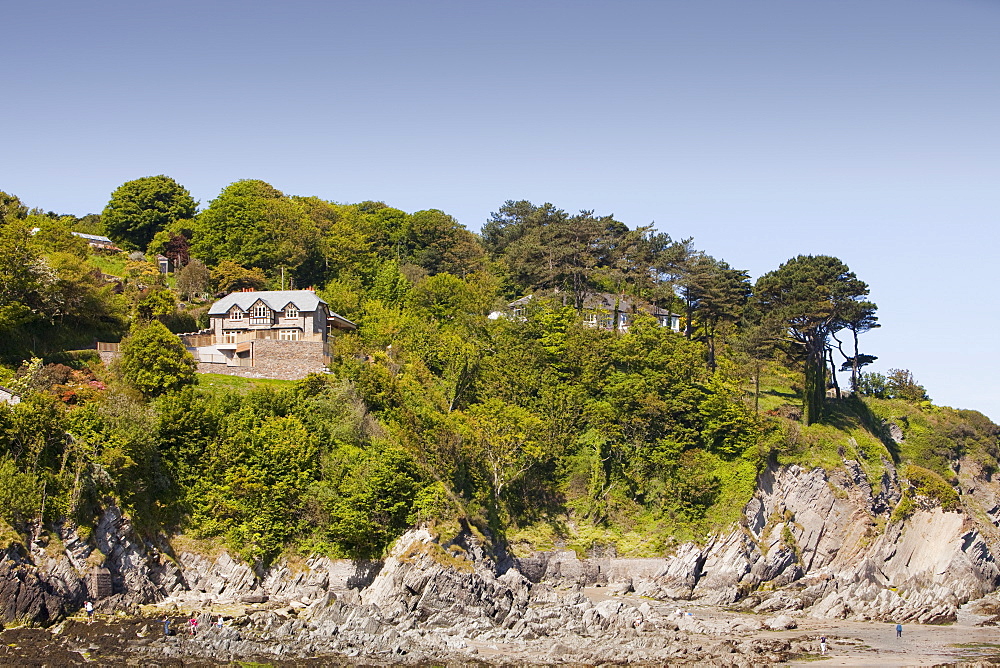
x: 51, y: 297
x: 255, y: 482
x: 254, y: 225
x: 813, y: 295
x: 900, y: 384
x: 872, y: 385
x: 11, y: 208
x: 228, y: 277
x: 370, y: 500
x: 154, y: 361
x: 730, y: 426
x: 929, y: 484
x: 194, y: 279
x: 537, y: 426
x: 139, y: 209
x: 20, y: 494
x: 938, y: 438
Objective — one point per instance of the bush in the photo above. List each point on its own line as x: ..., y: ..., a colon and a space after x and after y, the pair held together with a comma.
x: 929, y: 484
x: 154, y: 361
x: 20, y: 494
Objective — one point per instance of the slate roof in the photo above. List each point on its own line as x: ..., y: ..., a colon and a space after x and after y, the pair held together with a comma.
x: 92, y: 237
x: 305, y: 300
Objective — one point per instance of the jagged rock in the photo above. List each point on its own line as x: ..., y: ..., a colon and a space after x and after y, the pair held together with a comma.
x: 780, y: 623
x: 809, y: 541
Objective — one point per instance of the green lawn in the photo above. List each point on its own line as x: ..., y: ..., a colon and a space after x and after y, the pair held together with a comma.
x: 113, y: 265
x: 224, y: 382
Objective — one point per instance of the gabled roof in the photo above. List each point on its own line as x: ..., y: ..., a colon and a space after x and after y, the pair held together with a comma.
x: 276, y: 300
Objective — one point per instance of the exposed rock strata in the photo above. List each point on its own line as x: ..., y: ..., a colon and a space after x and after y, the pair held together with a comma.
x: 809, y: 544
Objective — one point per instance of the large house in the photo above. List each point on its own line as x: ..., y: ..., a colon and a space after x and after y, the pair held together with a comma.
x: 279, y: 333
x: 602, y: 310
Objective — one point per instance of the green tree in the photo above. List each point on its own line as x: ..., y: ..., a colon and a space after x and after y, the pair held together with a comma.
x: 439, y: 243
x: 154, y: 361
x: 11, y: 208
x: 139, y: 209
x: 713, y: 293
x: 52, y: 235
x: 25, y: 278
x: 900, y: 384
x: 193, y: 279
x: 230, y: 277
x: 367, y: 500
x: 812, y: 294
x: 255, y: 489
x: 255, y: 225
x: 859, y: 318
x: 506, y: 442
x: 547, y: 249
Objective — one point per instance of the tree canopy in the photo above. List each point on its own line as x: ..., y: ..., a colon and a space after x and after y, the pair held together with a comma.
x: 154, y: 361
x: 139, y: 209
x: 814, y: 295
x: 254, y: 224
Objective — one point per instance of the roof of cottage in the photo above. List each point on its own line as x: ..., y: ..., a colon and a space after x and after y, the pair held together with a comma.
x: 11, y: 397
x: 93, y: 237
x: 276, y: 300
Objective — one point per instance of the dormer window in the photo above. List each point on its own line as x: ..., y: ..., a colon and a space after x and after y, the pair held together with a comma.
x: 291, y: 311
x: 260, y: 311
x: 236, y: 313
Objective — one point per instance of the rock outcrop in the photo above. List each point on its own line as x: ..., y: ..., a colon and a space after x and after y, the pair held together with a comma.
x: 815, y: 542
x: 809, y: 543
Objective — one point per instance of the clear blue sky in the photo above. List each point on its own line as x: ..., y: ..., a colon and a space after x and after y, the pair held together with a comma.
x: 865, y: 129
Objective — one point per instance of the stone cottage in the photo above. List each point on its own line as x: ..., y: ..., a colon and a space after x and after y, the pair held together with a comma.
x: 267, y: 334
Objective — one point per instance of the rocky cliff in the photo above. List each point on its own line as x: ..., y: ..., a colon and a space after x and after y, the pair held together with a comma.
x: 811, y: 542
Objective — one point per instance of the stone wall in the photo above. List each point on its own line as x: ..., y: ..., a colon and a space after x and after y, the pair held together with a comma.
x: 107, y: 357
x: 285, y: 360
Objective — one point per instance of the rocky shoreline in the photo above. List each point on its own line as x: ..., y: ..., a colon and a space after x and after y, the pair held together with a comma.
x: 812, y: 545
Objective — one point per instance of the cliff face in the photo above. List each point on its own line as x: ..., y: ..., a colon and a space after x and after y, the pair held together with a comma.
x: 825, y: 544
x: 809, y: 541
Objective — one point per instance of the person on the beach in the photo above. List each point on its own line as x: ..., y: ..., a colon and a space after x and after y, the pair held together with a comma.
x: 822, y: 644
x: 193, y: 622
x: 899, y: 630
x: 166, y: 625
x: 89, y: 607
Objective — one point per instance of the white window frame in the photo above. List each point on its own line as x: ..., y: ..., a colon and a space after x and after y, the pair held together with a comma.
x: 288, y: 335
x: 229, y: 337
x: 291, y: 311
x: 235, y: 313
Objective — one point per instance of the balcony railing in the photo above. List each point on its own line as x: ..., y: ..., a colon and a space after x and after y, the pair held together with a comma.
x: 198, y: 340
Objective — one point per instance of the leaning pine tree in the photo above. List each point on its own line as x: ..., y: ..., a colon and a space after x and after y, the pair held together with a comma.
x: 814, y: 295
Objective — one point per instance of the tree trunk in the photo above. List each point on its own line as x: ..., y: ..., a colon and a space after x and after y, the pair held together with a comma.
x: 710, y: 339
x: 833, y: 371
x: 854, y: 363
x: 815, y: 389
x: 756, y: 388
x: 689, y: 316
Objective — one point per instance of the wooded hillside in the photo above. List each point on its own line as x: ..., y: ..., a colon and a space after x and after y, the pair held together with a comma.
x: 551, y: 423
